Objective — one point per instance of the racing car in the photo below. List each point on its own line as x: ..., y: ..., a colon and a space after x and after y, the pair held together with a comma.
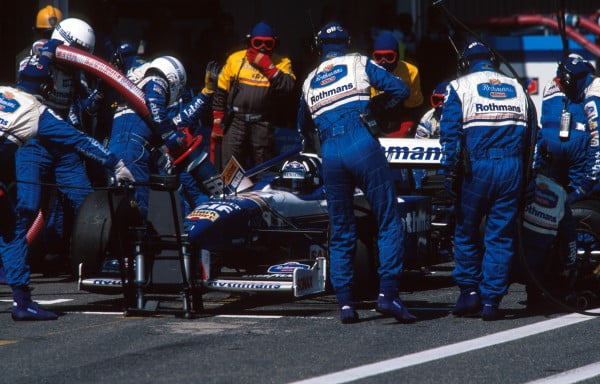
x: 271, y: 236
x: 268, y: 237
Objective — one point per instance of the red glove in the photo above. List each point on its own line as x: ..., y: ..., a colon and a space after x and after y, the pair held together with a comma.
x: 261, y: 61
x: 217, y: 131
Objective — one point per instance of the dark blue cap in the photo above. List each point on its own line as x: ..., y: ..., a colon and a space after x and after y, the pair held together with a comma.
x: 262, y: 29
x: 386, y: 41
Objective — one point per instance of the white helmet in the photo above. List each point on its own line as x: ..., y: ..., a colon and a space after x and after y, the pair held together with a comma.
x: 75, y: 33
x: 172, y: 69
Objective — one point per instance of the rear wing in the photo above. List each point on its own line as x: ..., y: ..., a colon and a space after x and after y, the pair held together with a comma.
x: 408, y: 153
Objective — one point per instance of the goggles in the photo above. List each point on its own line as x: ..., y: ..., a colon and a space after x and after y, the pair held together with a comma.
x: 258, y: 42
x: 436, y: 100
x: 388, y: 56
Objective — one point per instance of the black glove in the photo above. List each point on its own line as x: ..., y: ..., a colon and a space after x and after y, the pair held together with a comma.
x: 452, y: 186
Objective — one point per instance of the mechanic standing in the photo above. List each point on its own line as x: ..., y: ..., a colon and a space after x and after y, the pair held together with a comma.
x: 334, y: 97
x: 23, y: 117
x: 399, y: 120
x: 484, y: 136
x: 248, y: 81
x: 38, y: 161
x: 580, y: 85
x: 561, y: 167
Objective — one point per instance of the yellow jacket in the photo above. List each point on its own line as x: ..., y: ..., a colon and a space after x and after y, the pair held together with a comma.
x: 409, y: 73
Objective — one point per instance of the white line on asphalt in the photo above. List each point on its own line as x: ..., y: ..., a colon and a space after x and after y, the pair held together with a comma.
x: 94, y: 313
x: 417, y: 358
x: 251, y: 316
x: 44, y: 302
x: 573, y: 376
x: 273, y: 317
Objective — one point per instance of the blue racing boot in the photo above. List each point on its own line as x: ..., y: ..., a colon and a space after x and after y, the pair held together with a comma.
x: 2, y: 276
x: 468, y: 303
x: 490, y: 312
x: 348, y: 314
x: 389, y: 304
x: 26, y: 309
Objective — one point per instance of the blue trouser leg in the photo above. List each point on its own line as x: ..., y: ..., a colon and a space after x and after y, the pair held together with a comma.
x: 493, y: 191
x: 343, y: 169
x: 69, y: 171
x: 32, y: 161
x: 131, y: 148
x: 339, y: 189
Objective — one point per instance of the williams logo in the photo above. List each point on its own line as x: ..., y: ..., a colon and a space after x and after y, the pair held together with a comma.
x: 329, y: 75
x: 494, y: 89
x: 7, y: 103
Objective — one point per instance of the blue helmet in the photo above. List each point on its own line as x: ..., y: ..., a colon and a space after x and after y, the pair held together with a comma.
x: 333, y: 40
x: 125, y: 56
x: 475, y: 53
x: 572, y: 76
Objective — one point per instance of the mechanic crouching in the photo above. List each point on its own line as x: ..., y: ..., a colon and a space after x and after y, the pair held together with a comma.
x: 163, y: 81
x: 23, y: 117
x: 483, y: 133
x: 561, y: 166
x: 334, y: 95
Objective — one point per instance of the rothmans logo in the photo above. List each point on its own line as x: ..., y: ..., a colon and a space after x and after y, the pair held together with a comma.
x: 332, y: 92
x: 491, y: 107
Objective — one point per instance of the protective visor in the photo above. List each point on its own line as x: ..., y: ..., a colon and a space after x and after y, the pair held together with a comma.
x: 259, y: 42
x: 388, y: 56
x: 436, y: 99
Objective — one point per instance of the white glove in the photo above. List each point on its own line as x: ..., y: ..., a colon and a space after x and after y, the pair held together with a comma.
x: 123, y: 174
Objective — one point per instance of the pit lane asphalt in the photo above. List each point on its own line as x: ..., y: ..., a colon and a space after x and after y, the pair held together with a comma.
x: 267, y: 339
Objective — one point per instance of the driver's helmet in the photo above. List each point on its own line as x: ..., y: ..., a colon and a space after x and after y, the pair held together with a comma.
x: 301, y: 174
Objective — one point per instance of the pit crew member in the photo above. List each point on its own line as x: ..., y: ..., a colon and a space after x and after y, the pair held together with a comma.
x: 38, y: 161
x: 483, y: 133
x: 334, y: 95
x: 248, y: 81
x: 399, y: 120
x: 429, y: 127
x: 561, y: 166
x: 162, y: 80
x: 23, y: 117
x: 582, y: 86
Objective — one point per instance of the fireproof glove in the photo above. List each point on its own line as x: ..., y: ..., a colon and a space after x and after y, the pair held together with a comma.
x: 178, y: 141
x: 217, y: 130
x: 211, y: 77
x: 123, y: 174
x: 49, y: 48
x: 261, y: 61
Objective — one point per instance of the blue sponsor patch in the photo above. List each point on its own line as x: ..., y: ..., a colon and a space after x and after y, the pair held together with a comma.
x: 287, y: 267
x: 8, y: 104
x: 329, y: 75
x: 494, y: 89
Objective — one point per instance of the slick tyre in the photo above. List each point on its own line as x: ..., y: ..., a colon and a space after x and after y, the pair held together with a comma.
x: 587, y: 217
x: 94, y: 236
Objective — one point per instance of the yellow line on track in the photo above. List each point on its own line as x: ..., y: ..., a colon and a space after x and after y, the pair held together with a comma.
x: 8, y: 342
